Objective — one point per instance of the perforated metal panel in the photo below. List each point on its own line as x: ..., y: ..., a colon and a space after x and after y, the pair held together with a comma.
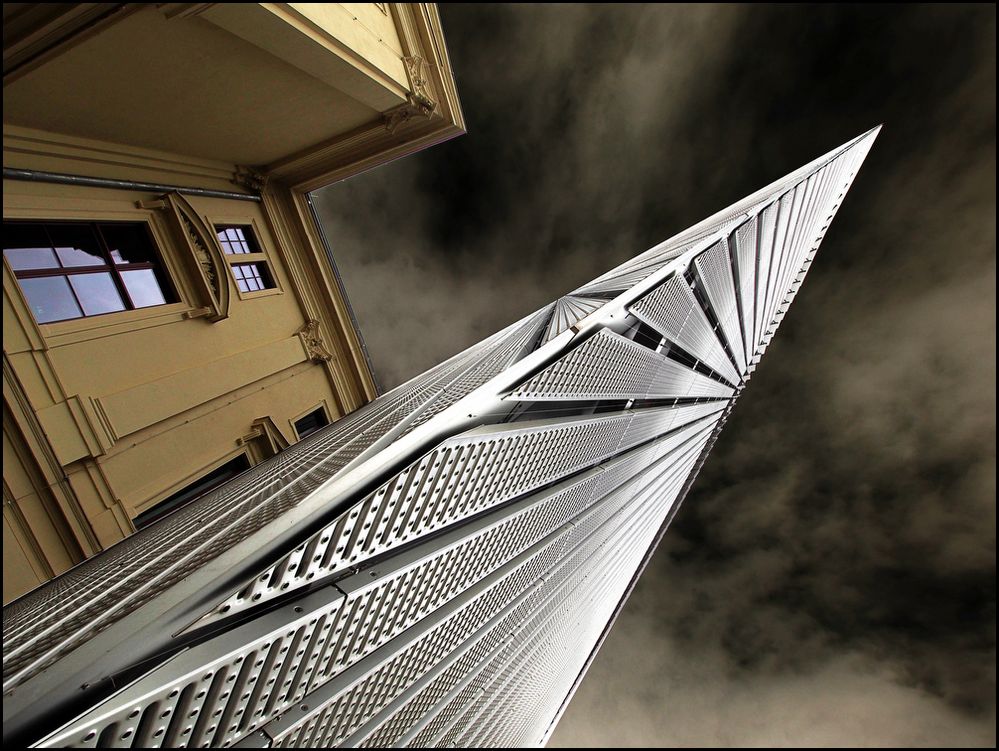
x: 329, y: 632
x: 430, y: 713
x: 462, y: 477
x: 438, y: 567
x: 626, y: 279
x: 609, y: 366
x: 520, y: 684
x: 526, y: 584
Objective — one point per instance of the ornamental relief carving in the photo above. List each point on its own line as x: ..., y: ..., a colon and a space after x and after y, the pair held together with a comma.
x: 250, y: 178
x: 419, y: 81
x: 403, y: 114
x: 208, y: 262
x: 421, y: 104
x: 201, y: 253
x: 312, y: 339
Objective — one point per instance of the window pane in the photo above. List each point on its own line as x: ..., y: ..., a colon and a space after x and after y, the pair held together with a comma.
x: 76, y: 245
x: 128, y: 243
x: 143, y: 288
x: 50, y: 298
x: 237, y: 240
x: 23, y: 259
x: 76, y: 255
x: 97, y: 293
x: 26, y: 246
x: 252, y: 277
x: 311, y: 423
x: 240, y: 272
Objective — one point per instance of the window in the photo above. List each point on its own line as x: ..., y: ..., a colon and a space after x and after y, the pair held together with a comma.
x: 312, y: 422
x: 248, y: 261
x: 78, y: 269
x: 195, y: 490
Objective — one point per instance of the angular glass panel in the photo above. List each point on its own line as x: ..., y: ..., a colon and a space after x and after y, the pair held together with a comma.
x: 76, y: 245
x: 96, y: 293
x: 26, y: 246
x: 128, y: 243
x: 50, y: 298
x: 143, y: 288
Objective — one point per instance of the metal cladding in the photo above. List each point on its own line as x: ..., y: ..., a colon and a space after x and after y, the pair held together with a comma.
x: 437, y: 568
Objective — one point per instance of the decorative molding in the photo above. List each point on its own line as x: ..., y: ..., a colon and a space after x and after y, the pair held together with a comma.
x: 264, y: 434
x: 75, y: 429
x: 29, y: 436
x: 420, y: 85
x: 420, y: 32
x: 34, y: 339
x: 92, y: 424
x: 96, y: 407
x: 32, y: 149
x: 15, y: 522
x: 312, y: 339
x: 422, y: 102
x: 364, y: 148
x: 395, y: 118
x: 209, y: 261
x: 200, y: 247
x: 250, y: 178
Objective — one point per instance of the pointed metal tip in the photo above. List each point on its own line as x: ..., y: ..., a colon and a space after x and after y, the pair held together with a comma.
x: 872, y: 133
x: 868, y: 138
x: 864, y: 141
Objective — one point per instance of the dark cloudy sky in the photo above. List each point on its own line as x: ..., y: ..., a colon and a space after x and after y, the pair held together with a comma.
x: 831, y: 577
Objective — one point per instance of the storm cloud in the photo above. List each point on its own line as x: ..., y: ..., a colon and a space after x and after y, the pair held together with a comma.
x: 831, y: 577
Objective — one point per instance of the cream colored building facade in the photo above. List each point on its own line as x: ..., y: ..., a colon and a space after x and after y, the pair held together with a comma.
x: 204, y: 328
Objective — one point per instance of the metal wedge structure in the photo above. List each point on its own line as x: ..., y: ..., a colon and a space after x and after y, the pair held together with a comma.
x: 439, y: 567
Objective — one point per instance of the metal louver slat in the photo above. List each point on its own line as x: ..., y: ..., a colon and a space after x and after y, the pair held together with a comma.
x: 714, y: 269
x: 745, y: 256
x: 569, y: 310
x: 673, y: 310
